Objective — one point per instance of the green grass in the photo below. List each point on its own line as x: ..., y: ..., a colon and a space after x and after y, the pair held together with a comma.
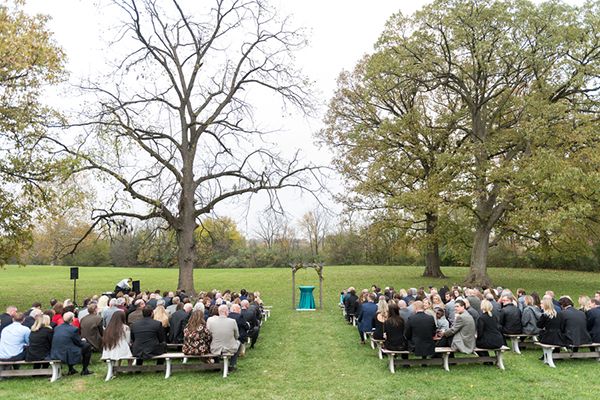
x: 309, y: 355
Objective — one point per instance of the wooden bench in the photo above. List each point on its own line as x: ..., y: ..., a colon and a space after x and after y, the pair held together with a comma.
x: 266, y: 312
x: 377, y: 344
x: 444, y: 359
x: 114, y: 365
x: 515, y: 340
x: 550, y: 356
x: 53, y: 370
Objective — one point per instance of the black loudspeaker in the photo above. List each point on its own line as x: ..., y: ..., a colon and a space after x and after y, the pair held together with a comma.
x: 74, y: 272
x: 136, y: 286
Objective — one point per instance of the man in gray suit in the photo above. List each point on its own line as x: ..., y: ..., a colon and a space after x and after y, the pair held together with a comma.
x: 463, y: 331
x: 224, y: 335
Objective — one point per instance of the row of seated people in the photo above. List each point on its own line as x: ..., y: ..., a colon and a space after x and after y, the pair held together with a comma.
x: 39, y: 335
x: 484, y: 328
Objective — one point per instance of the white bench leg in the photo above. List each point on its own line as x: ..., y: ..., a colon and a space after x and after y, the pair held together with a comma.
x: 548, y: 357
x: 380, y: 353
x: 55, y: 371
x: 445, y: 357
x: 372, y: 343
x: 225, y: 366
x: 185, y: 360
x: 515, y: 345
x: 499, y: 360
x: 109, y: 372
x: 392, y: 367
x: 168, y: 368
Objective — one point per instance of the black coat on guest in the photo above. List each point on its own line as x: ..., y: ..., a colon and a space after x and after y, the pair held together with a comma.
x: 177, y: 324
x: 148, y: 337
x: 574, y: 327
x: 5, y: 320
x: 66, y: 344
x: 394, y: 335
x: 593, y: 324
x: 40, y: 344
x: 250, y: 317
x: 420, y: 330
x: 510, y: 319
x: 351, y: 304
x: 489, y: 335
x: 550, y: 330
x: 243, y: 326
x: 28, y: 321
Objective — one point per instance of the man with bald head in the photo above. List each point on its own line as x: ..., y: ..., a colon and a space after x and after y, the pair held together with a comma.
x: 243, y: 326
x: 7, y: 318
x: 225, y: 334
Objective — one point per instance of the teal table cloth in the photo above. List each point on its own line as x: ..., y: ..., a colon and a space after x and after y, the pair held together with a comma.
x: 307, y: 300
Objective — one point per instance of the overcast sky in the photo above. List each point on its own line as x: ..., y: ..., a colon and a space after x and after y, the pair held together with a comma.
x: 340, y: 32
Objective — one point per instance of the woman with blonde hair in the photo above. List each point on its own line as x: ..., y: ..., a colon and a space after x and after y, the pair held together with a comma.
x: 436, y: 301
x: 550, y: 322
x: 488, y: 330
x: 428, y: 307
x: 102, y: 303
x: 40, y: 340
x: 161, y: 315
x: 584, y: 303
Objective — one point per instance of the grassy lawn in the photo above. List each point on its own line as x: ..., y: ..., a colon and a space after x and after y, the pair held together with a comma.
x: 309, y: 355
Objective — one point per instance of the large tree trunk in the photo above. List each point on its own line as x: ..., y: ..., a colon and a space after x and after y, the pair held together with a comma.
x: 432, y: 257
x: 478, y: 269
x: 186, y: 256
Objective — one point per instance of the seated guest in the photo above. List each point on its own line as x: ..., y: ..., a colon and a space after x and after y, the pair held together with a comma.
x: 380, y: 317
x: 172, y: 308
x: 29, y: 319
x: 463, y: 331
x: 108, y: 312
x: 224, y: 335
x: 116, y: 339
x: 91, y: 327
x: 593, y: 320
x: 405, y: 313
x: 510, y: 316
x: 14, y: 339
x: 420, y: 330
x: 366, y: 314
x: 68, y: 347
x: 40, y: 340
x: 57, y: 319
x: 243, y: 327
x: 574, y: 324
x: 160, y: 314
x: 250, y: 317
x: 177, y: 323
x: 471, y: 310
x: 6, y: 318
x: 393, y: 330
x: 489, y: 335
x: 441, y: 322
x: 148, y: 338
x: 550, y: 323
x: 137, y: 314
x: 530, y: 316
x: 196, y: 336
x: 350, y: 304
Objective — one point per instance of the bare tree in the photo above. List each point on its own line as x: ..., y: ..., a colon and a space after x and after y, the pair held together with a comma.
x: 271, y: 226
x: 176, y: 131
x: 316, y: 224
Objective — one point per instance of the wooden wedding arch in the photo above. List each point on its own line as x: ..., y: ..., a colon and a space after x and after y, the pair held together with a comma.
x: 319, y: 268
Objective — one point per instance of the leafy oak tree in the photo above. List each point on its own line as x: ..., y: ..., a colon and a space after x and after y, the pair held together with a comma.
x: 175, y: 130
x: 526, y: 75
x: 29, y: 60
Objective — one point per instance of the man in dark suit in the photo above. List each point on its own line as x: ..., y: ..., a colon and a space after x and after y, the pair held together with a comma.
x: 148, y: 337
x: 250, y: 317
x: 91, y: 327
x: 351, y: 304
x: 7, y: 318
x: 593, y: 320
x: 420, y: 330
x: 510, y: 316
x: 243, y: 326
x: 68, y: 347
x: 177, y: 323
x: 366, y: 315
x: 574, y: 324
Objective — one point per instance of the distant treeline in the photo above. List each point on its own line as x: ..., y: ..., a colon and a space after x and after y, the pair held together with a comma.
x: 221, y: 245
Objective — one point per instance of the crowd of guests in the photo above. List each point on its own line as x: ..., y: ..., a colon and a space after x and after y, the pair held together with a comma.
x: 129, y: 325
x: 466, y: 318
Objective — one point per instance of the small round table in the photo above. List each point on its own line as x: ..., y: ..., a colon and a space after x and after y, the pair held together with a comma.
x: 307, y: 300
